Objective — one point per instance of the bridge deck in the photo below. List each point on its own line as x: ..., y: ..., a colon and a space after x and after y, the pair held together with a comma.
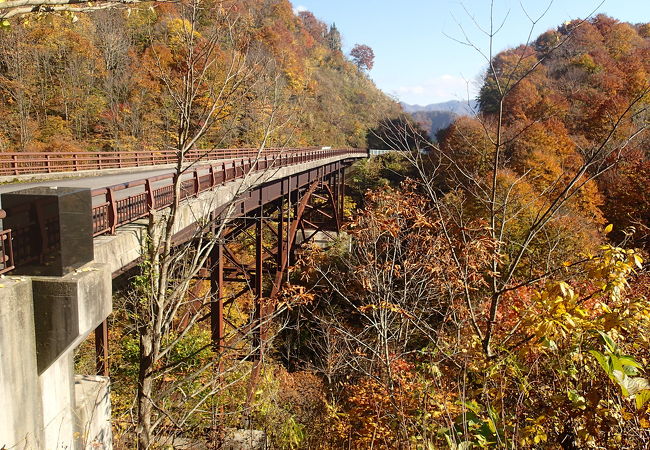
x: 92, y: 181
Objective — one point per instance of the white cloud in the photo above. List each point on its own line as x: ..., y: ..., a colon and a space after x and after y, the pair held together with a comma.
x: 299, y: 8
x: 435, y: 90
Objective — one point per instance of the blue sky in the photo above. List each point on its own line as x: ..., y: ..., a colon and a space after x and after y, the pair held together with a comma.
x: 418, y: 64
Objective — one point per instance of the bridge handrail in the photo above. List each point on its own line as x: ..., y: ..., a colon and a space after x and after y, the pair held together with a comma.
x: 111, y: 213
x: 28, y: 163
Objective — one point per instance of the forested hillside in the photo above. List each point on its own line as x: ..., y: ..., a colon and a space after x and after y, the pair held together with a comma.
x: 585, y: 76
x: 97, y: 81
x: 499, y: 299
x: 434, y: 121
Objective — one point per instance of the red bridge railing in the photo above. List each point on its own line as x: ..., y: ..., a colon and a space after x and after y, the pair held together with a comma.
x: 157, y: 192
x: 6, y: 252
x: 35, y: 163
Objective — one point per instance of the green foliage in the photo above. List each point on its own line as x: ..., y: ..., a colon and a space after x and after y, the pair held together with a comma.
x: 623, y: 370
x: 389, y: 169
x: 480, y: 423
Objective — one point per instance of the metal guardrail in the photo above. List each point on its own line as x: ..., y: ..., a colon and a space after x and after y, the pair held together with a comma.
x: 43, y: 162
x: 111, y: 213
x: 376, y: 152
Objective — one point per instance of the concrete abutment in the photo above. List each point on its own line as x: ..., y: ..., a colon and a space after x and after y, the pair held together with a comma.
x: 42, y: 320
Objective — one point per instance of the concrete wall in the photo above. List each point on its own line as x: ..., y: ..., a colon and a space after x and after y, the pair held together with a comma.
x: 93, y: 411
x: 67, y: 309
x: 42, y: 321
x: 21, y: 426
x: 57, y: 399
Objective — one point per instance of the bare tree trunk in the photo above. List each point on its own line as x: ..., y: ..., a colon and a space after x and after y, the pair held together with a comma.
x: 145, y: 390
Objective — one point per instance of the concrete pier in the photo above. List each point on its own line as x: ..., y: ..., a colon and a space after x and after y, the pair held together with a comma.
x: 42, y: 320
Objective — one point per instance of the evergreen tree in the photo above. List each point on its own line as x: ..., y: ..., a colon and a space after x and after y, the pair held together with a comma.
x: 334, y: 39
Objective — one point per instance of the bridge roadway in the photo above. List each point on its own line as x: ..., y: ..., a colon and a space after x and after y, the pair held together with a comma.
x: 101, y: 181
x: 91, y: 181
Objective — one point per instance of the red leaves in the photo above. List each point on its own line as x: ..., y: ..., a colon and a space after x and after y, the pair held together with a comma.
x: 363, y: 57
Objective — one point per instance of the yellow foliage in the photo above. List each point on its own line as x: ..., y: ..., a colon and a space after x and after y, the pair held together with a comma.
x: 181, y: 33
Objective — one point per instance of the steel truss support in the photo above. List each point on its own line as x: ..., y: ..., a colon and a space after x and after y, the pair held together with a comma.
x: 259, y: 330
x: 292, y: 207
x: 274, y: 229
x: 216, y: 291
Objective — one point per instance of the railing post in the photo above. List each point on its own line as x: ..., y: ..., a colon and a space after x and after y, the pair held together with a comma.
x: 197, y: 183
x: 7, y: 250
x: 47, y: 163
x: 225, y: 174
x: 150, y: 198
x: 14, y: 163
x: 213, y: 180
x: 75, y: 163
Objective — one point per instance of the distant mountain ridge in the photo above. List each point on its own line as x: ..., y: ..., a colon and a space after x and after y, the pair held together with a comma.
x: 438, y: 116
x: 452, y: 106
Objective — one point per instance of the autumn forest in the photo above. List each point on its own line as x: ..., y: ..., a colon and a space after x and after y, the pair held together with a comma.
x: 489, y: 287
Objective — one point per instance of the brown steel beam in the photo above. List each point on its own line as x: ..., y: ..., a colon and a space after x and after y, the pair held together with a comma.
x: 280, y: 236
x: 316, y: 209
x: 233, y: 298
x: 337, y: 213
x: 101, y: 349
x: 216, y: 292
x: 293, y: 228
x: 342, y: 194
x: 260, y: 335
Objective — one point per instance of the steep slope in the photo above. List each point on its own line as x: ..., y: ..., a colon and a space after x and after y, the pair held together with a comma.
x: 98, y: 81
x: 594, y: 76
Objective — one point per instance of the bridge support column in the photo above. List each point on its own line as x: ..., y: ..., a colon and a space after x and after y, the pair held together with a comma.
x: 216, y: 293
x: 334, y: 186
x: 260, y: 311
x: 43, y: 319
x: 341, y: 197
x: 280, y: 255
